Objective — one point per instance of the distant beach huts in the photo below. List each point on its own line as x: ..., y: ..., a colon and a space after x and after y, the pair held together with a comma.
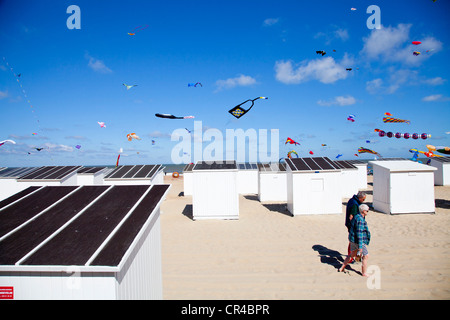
x: 91, y: 175
x: 135, y: 174
x: 442, y: 174
x: 215, y: 193
x: 14, y: 180
x: 187, y: 179
x: 272, y: 185
x: 403, y: 186
x: 314, y: 186
x: 247, y: 178
x: 82, y: 242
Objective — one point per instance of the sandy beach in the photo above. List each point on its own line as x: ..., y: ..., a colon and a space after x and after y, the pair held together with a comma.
x: 268, y: 254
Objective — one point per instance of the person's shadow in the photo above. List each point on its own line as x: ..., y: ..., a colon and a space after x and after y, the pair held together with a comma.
x: 332, y: 257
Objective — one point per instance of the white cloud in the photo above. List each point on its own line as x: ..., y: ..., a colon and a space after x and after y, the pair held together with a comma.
x: 393, y: 44
x: 270, y: 22
x: 58, y: 147
x: 325, y: 70
x: 241, y: 81
x: 396, y: 79
x: 339, y: 101
x: 434, y: 81
x: 97, y: 65
x: 435, y: 97
x: 3, y: 94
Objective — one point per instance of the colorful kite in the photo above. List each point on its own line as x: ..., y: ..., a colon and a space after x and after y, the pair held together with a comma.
x: 171, y: 116
x: 132, y: 136
x: 338, y: 156
x: 5, y: 141
x: 311, y: 152
x: 195, y: 85
x: 129, y: 87
x: 416, y: 42
x: 444, y: 150
x: 102, y: 124
x: 321, y: 52
x: 388, y: 119
x: 429, y: 153
x: 416, y: 53
x: 291, y: 141
x: 290, y: 154
x: 117, y: 162
x: 399, y: 135
x: 238, y: 111
x: 137, y: 29
x: 78, y: 146
x: 351, y: 118
x: 365, y: 150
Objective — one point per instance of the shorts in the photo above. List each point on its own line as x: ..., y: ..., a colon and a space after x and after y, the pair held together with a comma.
x: 354, y: 246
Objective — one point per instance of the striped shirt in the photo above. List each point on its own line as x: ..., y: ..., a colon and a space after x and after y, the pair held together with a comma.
x: 359, y: 231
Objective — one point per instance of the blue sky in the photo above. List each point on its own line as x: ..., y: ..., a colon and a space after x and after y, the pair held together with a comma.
x: 238, y: 50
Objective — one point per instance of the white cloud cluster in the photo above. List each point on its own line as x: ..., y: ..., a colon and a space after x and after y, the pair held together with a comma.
x: 241, y: 80
x: 97, y: 65
x: 338, y: 101
x: 325, y: 70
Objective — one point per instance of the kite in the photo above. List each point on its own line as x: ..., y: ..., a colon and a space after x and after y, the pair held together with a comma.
x: 117, y: 162
x: 194, y: 85
x: 351, y: 118
x: 153, y: 142
x: 388, y: 119
x: 102, y: 124
x: 416, y: 42
x: 137, y: 29
x: 416, y: 53
x: 311, y: 152
x: 321, y: 52
x: 188, y: 130
x: 324, y: 144
x: 129, y: 87
x: 238, y: 111
x: 34, y: 133
x: 348, y: 69
x: 130, y: 136
x: 356, y: 155
x: 365, y: 150
x: 171, y: 116
x: 4, y: 141
x: 39, y: 149
x: 399, y: 135
x: 78, y: 146
x: 290, y: 154
x: 291, y: 141
x: 338, y: 156
x: 429, y: 154
x: 444, y: 150
x: 353, y: 9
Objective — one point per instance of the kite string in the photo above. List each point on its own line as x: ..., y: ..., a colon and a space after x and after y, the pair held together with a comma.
x: 17, y: 77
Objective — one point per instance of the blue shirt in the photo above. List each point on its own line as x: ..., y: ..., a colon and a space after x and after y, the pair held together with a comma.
x: 359, y: 231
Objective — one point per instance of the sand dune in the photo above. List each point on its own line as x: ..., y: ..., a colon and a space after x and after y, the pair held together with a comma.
x: 267, y: 254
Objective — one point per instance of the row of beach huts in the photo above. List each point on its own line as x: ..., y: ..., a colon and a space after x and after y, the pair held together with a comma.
x: 72, y: 232
x: 313, y: 185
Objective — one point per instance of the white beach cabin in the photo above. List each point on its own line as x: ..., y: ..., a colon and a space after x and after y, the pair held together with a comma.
x: 135, y: 174
x: 91, y: 176
x: 349, y: 178
x: 442, y: 174
x: 82, y: 242
x: 8, y: 180
x: 247, y: 178
x: 215, y: 193
x: 272, y: 182
x: 314, y: 186
x: 403, y: 186
x: 362, y: 173
x: 188, y: 179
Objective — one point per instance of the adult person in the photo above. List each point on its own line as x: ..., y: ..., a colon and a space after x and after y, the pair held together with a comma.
x: 352, y: 210
x: 359, y: 237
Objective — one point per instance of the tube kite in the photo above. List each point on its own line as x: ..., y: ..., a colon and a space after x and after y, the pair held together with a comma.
x: 388, y: 119
x: 171, y: 116
x: 365, y: 150
x: 428, y: 153
x: 290, y: 154
x: 444, y: 150
x: 117, y: 162
x: 238, y: 111
x: 291, y: 141
x: 9, y: 141
x: 416, y: 53
x: 399, y: 135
